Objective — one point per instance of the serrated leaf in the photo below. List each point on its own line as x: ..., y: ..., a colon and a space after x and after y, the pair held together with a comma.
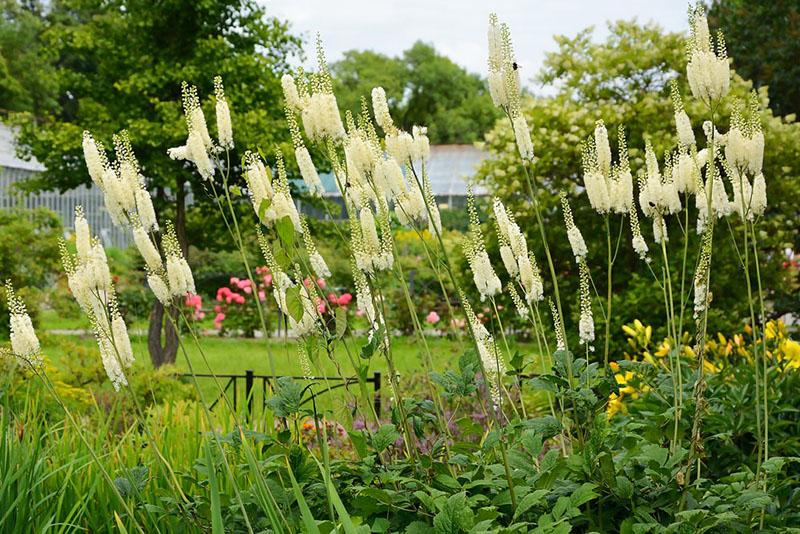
x: 530, y: 500
x: 294, y: 303
x: 284, y: 227
x: 263, y: 207
x: 583, y: 494
x: 384, y: 436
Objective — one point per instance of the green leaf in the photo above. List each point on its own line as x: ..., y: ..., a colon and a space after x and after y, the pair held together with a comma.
x: 583, y: 494
x: 285, y: 230
x: 216, y: 502
x: 294, y: 304
x: 305, y: 512
x: 455, y: 516
x: 530, y: 500
x: 516, y: 361
x: 287, y: 399
x: 263, y: 207
x: 384, y: 436
x: 359, y: 441
x: 624, y: 487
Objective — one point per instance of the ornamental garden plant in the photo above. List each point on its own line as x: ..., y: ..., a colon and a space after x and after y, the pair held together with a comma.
x: 690, y: 432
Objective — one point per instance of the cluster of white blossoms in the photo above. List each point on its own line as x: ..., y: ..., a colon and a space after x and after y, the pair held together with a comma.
x: 179, y: 274
x: 122, y: 180
x: 315, y: 259
x: 122, y: 184
x: 307, y: 169
x: 315, y: 102
x: 586, y: 322
x: 576, y: 242
x: 608, y: 186
x: 504, y: 83
x: 223, y: 113
x: 282, y: 284
x: 492, y: 362
x: 744, y: 156
x: 24, y: 343
x: 707, y: 70
x: 414, y: 203
x: 483, y: 274
x: 271, y: 199
x: 199, y: 147
x: 637, y: 240
x: 90, y: 283
x: 372, y: 250
x: 519, y: 262
x: 658, y: 194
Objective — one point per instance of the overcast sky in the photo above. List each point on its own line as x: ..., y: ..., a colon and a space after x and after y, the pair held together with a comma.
x: 457, y: 28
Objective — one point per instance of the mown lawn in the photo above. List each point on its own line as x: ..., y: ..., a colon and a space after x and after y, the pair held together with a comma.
x: 227, y: 355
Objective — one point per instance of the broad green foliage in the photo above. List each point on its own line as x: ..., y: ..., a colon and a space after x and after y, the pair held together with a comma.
x: 38, y: 231
x: 120, y: 65
x: 625, y: 80
x: 424, y: 87
x: 26, y: 74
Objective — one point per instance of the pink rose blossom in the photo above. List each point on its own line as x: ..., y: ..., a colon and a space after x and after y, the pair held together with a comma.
x: 267, y: 280
x: 262, y: 296
x: 217, y: 308
x: 234, y: 281
x: 321, y: 283
x: 432, y: 318
x: 345, y: 299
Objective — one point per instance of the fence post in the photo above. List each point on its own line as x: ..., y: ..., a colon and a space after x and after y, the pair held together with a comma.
x: 376, y: 380
x: 248, y: 390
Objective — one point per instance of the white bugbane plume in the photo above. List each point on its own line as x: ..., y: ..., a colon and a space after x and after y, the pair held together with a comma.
x: 223, y: 112
x: 24, y: 343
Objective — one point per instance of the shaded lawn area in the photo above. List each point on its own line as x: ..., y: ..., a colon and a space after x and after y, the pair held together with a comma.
x: 228, y: 355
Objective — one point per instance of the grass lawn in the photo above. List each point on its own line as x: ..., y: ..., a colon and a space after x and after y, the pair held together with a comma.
x: 236, y: 355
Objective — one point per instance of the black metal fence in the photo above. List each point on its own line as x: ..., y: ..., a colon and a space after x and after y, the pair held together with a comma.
x: 250, y: 379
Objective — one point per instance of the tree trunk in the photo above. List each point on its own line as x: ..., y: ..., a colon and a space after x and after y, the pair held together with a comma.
x: 162, y: 335
x: 162, y: 353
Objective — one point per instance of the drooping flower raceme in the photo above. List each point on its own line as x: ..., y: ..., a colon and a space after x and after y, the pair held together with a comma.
x: 24, y: 343
x: 223, y: 112
x: 576, y: 242
x: 586, y: 323
x: 198, y: 143
x: 179, y: 274
x: 316, y: 260
x: 504, y: 84
x: 519, y: 262
x: 483, y: 274
x: 304, y: 163
x: 90, y: 282
x: 492, y: 363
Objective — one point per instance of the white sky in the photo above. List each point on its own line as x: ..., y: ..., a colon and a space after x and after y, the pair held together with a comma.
x: 457, y: 28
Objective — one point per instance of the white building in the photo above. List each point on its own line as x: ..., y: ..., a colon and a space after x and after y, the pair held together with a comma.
x: 14, y: 171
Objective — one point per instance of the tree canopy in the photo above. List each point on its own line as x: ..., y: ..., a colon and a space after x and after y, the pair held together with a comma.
x: 625, y: 80
x: 26, y: 72
x: 423, y: 88
x: 120, y: 65
x: 763, y: 37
